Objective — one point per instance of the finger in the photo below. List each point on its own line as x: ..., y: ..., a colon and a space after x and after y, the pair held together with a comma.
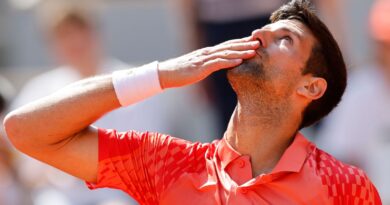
x: 221, y: 63
x: 240, y: 40
x: 226, y: 54
x: 251, y: 45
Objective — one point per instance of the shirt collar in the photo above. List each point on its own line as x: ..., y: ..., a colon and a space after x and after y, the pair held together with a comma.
x: 291, y: 161
x: 226, y: 153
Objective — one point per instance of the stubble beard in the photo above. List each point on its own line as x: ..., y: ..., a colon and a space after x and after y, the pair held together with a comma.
x: 255, y: 91
x: 250, y: 75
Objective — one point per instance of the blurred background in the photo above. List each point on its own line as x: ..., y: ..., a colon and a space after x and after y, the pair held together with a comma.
x: 47, y: 44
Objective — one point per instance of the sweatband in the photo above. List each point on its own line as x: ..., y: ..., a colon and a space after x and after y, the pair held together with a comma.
x: 134, y: 85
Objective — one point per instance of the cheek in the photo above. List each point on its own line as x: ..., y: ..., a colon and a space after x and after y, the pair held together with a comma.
x: 282, y: 56
x: 288, y: 83
x: 286, y: 68
x: 285, y: 78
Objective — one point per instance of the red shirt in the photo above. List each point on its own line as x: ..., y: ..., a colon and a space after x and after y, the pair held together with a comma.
x: 159, y: 169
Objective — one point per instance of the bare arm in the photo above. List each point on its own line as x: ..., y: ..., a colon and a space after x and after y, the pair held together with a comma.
x: 57, y: 131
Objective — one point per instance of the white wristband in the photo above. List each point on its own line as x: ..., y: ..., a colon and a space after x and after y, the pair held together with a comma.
x: 136, y: 84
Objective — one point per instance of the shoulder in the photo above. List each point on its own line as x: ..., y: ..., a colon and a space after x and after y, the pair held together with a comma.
x: 333, y: 169
x: 342, y: 180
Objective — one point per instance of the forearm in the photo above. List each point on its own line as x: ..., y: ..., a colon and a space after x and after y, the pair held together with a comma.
x: 63, y: 114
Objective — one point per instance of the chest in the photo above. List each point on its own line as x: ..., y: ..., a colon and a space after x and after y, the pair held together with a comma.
x: 214, y: 186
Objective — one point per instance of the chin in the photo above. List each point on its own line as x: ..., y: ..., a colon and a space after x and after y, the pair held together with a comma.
x: 234, y: 73
x: 239, y: 69
x: 250, y: 72
x: 240, y: 73
x: 248, y: 67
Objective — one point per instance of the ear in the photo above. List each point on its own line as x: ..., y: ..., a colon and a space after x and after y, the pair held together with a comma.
x: 312, y: 88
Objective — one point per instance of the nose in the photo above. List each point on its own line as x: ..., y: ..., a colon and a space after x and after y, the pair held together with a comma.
x: 260, y: 35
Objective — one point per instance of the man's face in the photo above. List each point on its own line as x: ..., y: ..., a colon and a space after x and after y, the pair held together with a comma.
x: 72, y: 43
x: 285, y: 46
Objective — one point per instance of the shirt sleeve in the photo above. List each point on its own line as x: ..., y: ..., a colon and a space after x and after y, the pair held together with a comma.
x: 145, y: 164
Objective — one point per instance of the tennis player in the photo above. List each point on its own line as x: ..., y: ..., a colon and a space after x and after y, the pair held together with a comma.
x: 287, y: 75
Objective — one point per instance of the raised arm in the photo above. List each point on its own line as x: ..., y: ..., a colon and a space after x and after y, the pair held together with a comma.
x: 57, y: 131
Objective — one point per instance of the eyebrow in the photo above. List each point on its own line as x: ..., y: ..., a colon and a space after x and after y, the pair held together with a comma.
x: 285, y: 29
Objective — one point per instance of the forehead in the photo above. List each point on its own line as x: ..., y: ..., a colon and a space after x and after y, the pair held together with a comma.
x: 294, y: 26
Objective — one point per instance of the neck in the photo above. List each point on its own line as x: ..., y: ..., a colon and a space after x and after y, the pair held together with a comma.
x: 251, y: 133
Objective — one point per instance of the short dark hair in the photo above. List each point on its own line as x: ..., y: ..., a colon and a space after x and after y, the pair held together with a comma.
x: 325, y: 61
x: 54, y: 14
x: 75, y: 19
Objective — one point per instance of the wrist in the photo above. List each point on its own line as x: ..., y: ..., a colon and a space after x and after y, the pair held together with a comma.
x: 134, y: 85
x: 164, y: 74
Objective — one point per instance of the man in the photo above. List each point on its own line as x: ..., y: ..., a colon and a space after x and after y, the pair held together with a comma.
x: 293, y: 75
x: 359, y: 129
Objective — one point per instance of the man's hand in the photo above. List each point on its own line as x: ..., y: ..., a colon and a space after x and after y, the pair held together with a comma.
x: 199, y: 64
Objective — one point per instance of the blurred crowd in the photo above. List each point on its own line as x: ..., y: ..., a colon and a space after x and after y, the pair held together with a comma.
x: 357, y: 132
